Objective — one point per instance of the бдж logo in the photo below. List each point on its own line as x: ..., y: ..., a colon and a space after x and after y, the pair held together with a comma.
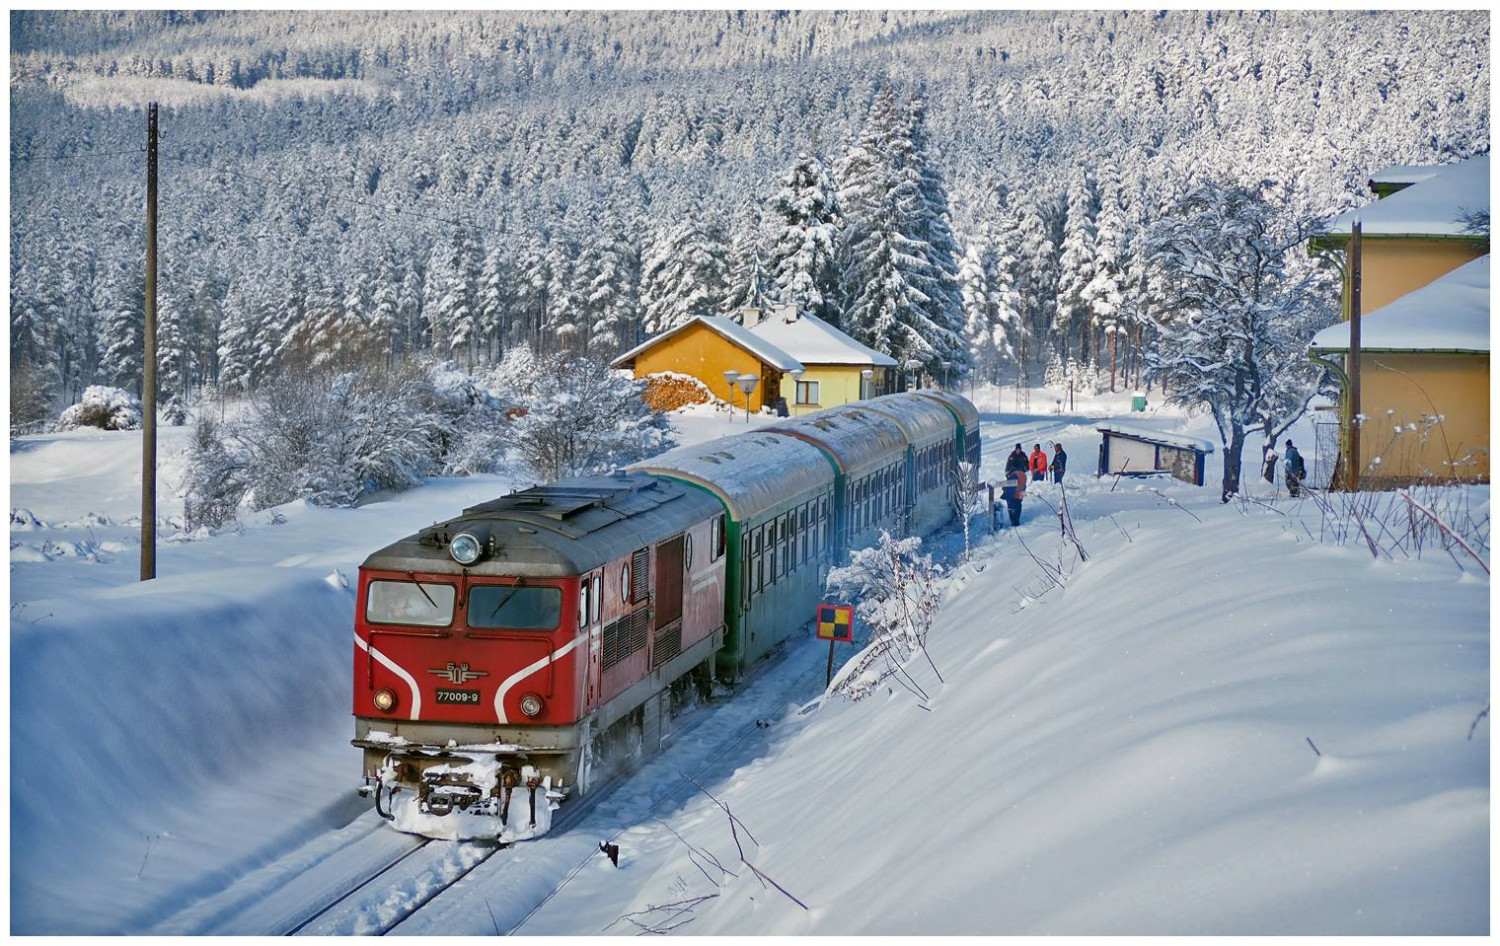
x: 458, y: 673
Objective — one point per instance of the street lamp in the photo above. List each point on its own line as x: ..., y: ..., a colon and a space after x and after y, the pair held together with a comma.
x: 796, y: 374
x: 731, y: 376
x: 747, y: 384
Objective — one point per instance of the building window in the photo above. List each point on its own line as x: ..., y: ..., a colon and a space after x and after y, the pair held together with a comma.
x: 807, y: 392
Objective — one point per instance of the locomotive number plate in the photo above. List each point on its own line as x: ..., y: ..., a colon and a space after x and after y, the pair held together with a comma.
x: 467, y: 697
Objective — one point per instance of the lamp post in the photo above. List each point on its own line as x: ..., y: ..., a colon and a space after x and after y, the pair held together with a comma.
x: 796, y: 374
x: 747, y: 384
x: 731, y: 376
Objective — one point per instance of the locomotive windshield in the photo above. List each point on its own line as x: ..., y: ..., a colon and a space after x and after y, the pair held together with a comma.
x: 515, y: 606
x: 407, y: 602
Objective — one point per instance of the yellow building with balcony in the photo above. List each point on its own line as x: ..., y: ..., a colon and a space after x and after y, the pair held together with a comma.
x: 1424, y: 378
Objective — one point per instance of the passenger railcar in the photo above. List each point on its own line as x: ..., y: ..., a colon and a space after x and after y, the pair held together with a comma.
x: 516, y: 644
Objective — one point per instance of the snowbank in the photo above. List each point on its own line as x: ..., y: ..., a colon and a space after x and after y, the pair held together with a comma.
x: 131, y: 708
x: 1216, y: 728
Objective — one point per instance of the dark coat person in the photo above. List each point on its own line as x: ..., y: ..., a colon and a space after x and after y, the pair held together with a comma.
x: 1016, y: 461
x: 1295, y: 469
x: 1059, y: 463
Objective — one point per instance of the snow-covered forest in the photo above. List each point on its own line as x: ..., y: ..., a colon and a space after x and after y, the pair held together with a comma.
x: 969, y: 191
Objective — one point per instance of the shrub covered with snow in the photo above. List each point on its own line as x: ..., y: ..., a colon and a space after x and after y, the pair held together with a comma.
x: 581, y: 417
x: 103, y: 407
x: 333, y: 437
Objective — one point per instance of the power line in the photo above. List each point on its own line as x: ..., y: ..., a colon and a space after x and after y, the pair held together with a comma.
x: 26, y: 159
x: 470, y: 224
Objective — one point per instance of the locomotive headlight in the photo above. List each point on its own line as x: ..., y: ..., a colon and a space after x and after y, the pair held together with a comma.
x: 465, y: 548
x: 531, y: 704
x: 385, y: 700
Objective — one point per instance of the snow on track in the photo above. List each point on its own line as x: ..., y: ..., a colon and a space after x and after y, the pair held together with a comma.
x: 291, y: 889
x: 710, y: 743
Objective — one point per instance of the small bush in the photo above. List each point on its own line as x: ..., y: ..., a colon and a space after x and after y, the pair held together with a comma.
x: 103, y: 407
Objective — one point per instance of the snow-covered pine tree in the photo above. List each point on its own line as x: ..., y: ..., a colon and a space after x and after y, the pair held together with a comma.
x: 236, y: 352
x: 1076, y: 268
x: 685, y: 272
x: 804, y: 256
x: 411, y: 327
x: 1239, y: 302
x: 122, y: 334
x: 173, y: 356
x: 613, y: 289
x: 1036, y: 284
x: 932, y: 226
x: 384, y: 312
x: 901, y: 290
x: 1103, y: 296
x: 751, y: 284
x: 456, y: 305
x: 979, y: 310
x: 492, y: 302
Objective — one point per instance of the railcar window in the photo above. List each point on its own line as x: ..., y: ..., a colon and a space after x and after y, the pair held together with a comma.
x: 407, y: 602
x: 585, y: 591
x: 598, y: 596
x: 718, y: 540
x: 515, y: 607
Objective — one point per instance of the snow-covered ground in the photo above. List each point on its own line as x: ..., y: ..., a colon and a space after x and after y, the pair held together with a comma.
x: 1215, y: 725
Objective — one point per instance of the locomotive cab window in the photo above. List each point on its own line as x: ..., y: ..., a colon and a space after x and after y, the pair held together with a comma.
x: 585, y: 594
x: 408, y: 602
x: 515, y: 607
x: 716, y: 539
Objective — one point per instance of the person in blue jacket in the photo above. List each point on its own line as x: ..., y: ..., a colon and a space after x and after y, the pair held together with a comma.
x: 1059, y: 462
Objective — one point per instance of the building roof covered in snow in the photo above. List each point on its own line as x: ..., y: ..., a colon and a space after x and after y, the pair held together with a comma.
x: 1156, y: 436
x: 1388, y: 180
x: 764, y: 349
x: 814, y: 342
x: 1449, y: 314
x: 1431, y: 209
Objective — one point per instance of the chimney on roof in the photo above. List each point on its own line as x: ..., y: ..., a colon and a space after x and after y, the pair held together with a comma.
x: 788, y: 313
x: 750, y: 317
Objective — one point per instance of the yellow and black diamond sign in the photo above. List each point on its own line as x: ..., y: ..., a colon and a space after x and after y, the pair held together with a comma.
x: 835, y: 622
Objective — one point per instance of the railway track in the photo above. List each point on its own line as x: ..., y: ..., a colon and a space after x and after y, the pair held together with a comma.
x: 394, y: 894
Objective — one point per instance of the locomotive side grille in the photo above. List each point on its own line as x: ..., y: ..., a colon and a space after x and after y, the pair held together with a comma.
x: 640, y: 576
x: 668, y: 644
x: 624, y: 637
x: 611, y: 649
x: 638, y: 621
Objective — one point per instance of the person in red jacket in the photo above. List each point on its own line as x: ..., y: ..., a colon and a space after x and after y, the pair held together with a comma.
x: 1038, y: 464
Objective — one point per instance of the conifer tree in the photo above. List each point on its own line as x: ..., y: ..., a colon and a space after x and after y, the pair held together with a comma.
x: 804, y: 257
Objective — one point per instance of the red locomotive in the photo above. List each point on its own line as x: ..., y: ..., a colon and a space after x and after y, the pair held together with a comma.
x: 504, y: 649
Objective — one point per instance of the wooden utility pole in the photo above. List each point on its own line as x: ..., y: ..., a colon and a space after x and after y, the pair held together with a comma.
x: 148, y: 365
x: 1351, y: 471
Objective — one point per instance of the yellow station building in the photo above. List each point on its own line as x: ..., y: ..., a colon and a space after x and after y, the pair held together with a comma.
x: 799, y: 357
x: 1425, y: 326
